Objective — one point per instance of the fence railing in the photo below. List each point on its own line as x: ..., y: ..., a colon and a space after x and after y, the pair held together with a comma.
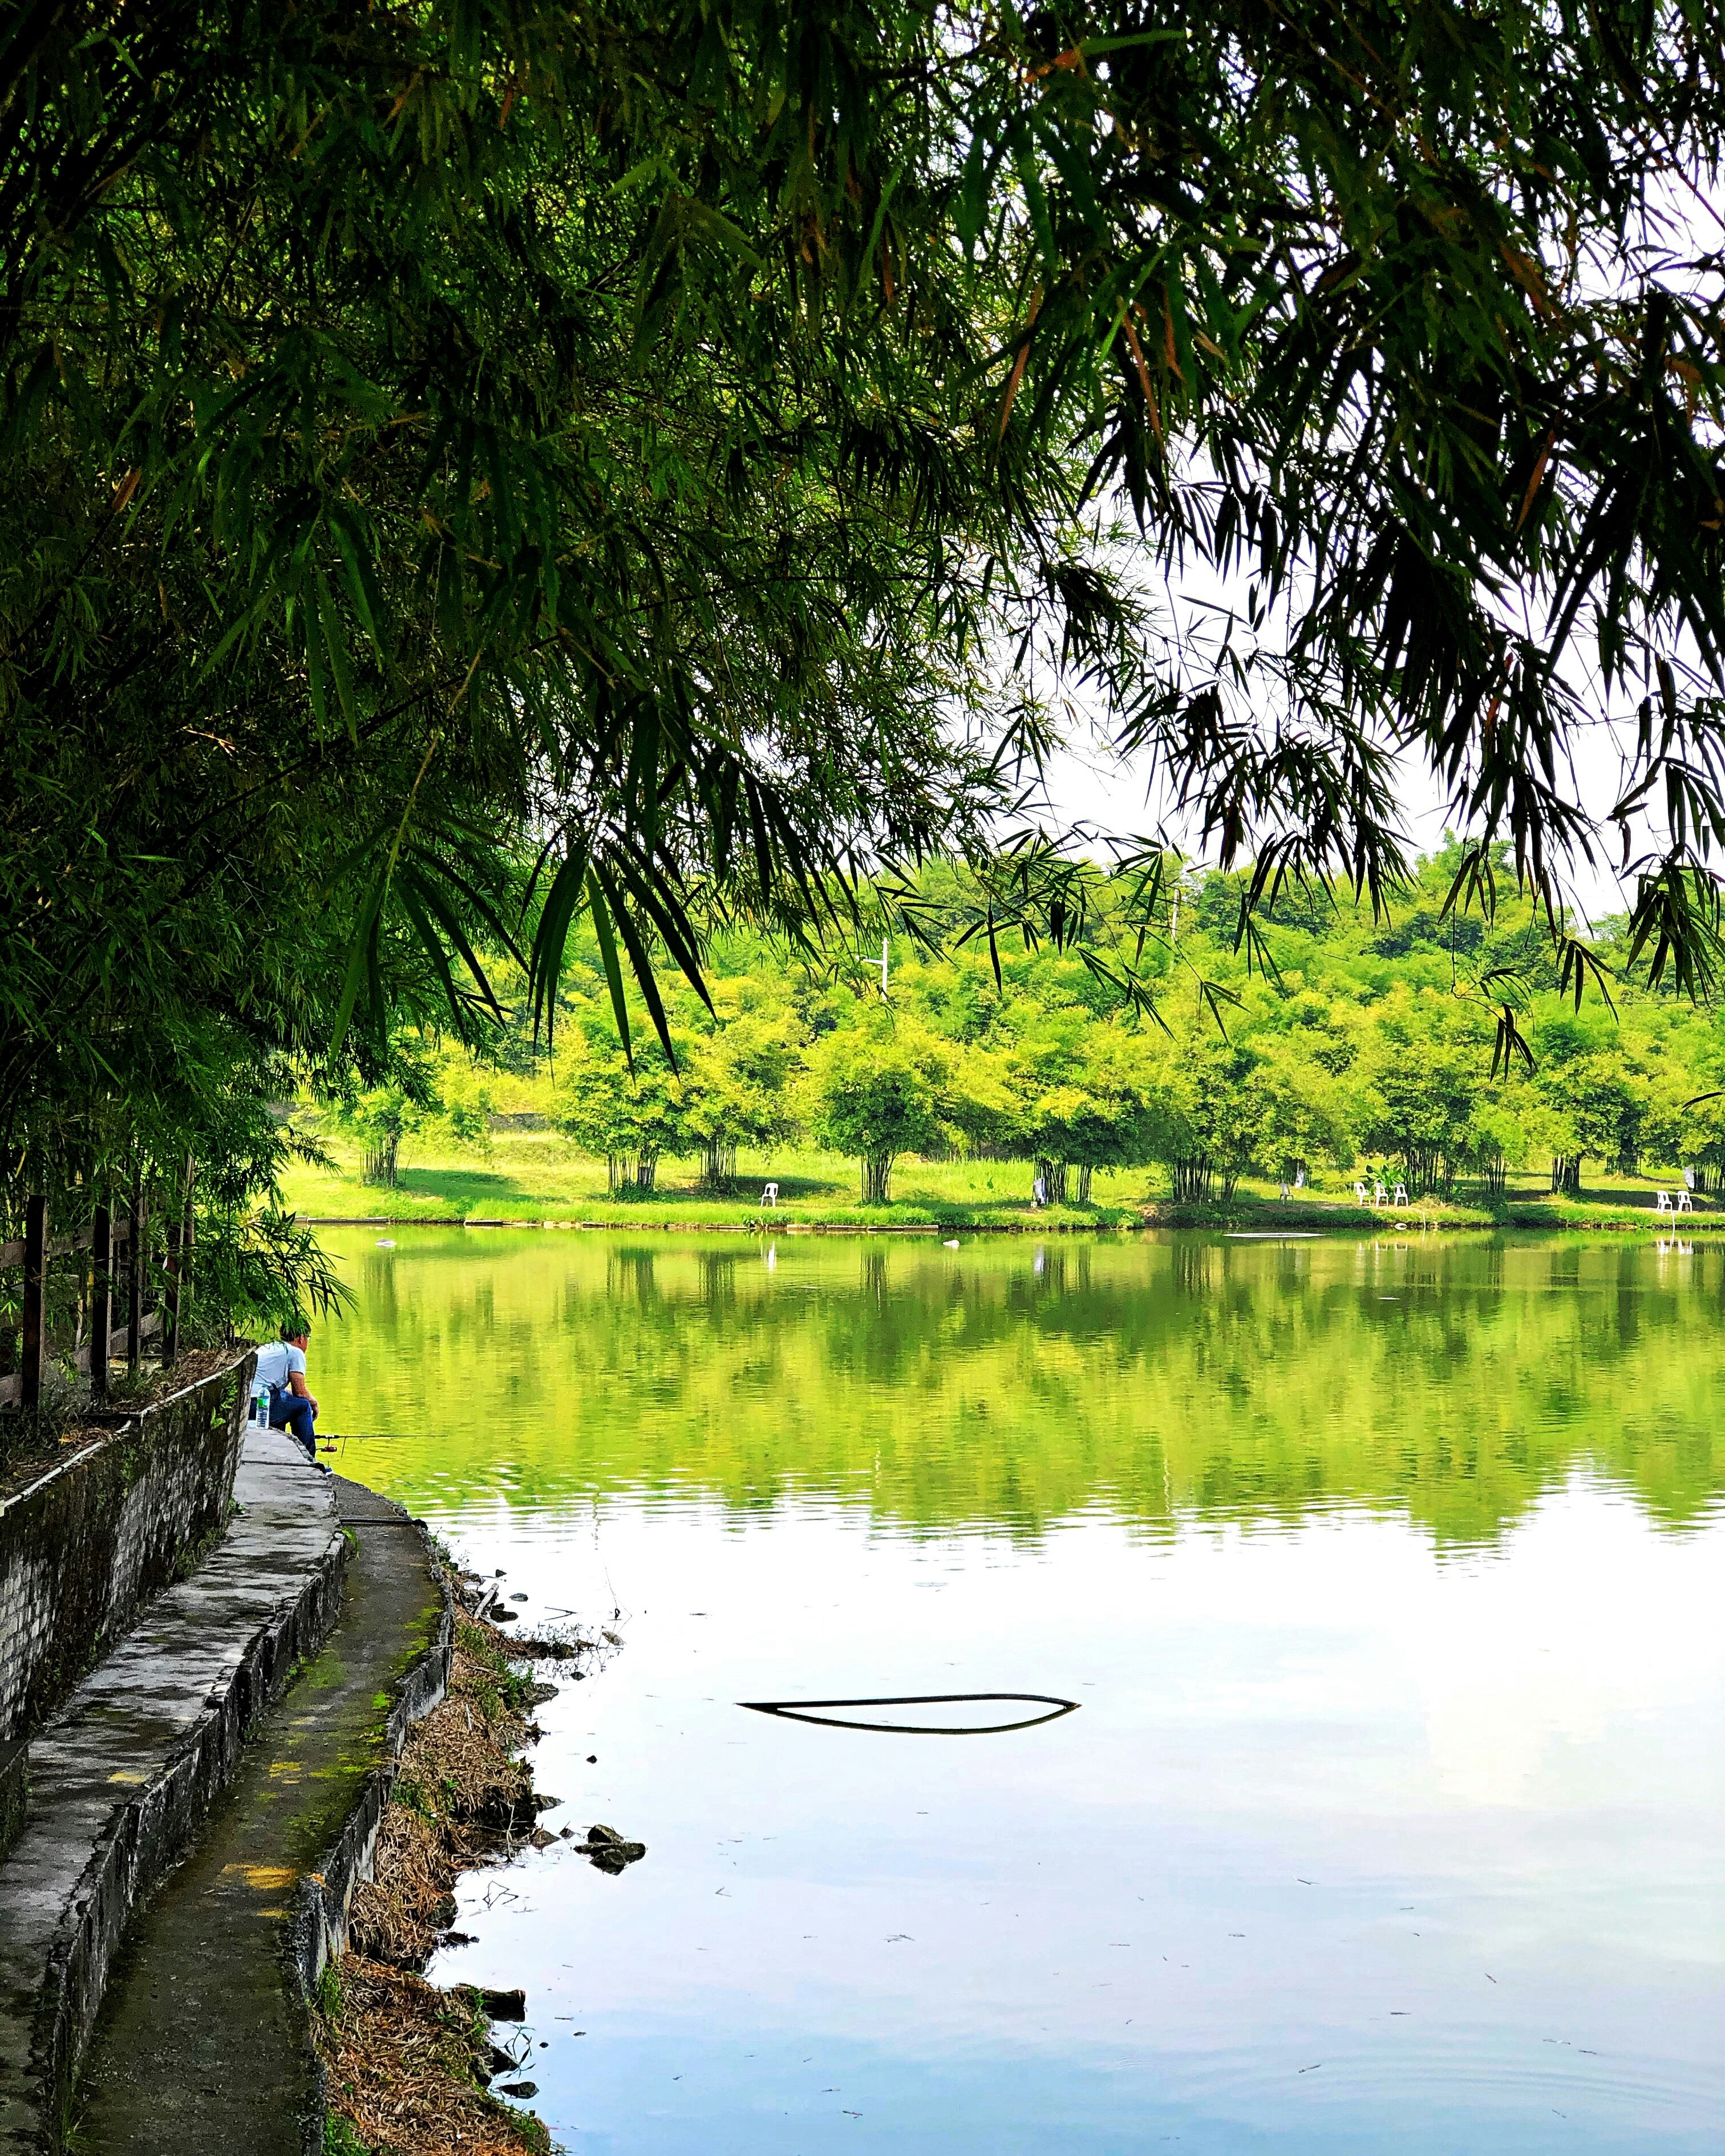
x: 116, y: 1277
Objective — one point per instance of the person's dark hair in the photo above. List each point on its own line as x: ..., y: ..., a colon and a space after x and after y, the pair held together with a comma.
x: 296, y: 1325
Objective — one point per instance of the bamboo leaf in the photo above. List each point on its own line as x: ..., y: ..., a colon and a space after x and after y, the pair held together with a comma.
x: 607, y: 958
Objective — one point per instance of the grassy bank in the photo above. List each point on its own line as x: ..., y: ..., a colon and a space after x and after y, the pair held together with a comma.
x: 535, y: 1176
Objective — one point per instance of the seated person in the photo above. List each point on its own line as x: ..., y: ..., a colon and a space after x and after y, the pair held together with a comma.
x: 281, y: 1366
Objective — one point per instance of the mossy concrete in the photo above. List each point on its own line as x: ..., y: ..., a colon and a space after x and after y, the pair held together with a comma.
x: 14, y: 1790
x: 121, y: 1780
x: 203, y: 2043
x: 87, y: 1543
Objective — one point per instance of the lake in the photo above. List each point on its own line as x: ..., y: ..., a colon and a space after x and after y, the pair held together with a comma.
x: 1386, y: 1575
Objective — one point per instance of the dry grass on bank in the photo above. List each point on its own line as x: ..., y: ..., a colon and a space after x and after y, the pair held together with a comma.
x: 400, y: 2056
x: 405, y: 2061
x: 461, y: 1797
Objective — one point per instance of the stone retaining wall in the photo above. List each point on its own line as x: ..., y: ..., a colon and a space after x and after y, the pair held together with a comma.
x: 121, y: 1779
x: 84, y: 1546
x: 148, y: 1835
x: 14, y: 1791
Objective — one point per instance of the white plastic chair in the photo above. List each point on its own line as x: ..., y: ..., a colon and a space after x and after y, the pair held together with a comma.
x: 1380, y: 1196
x: 769, y: 1196
x: 1401, y: 1194
x: 1360, y: 1194
x: 1662, y: 1203
x: 1685, y: 1204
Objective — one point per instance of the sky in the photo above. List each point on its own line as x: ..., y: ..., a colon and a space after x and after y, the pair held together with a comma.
x: 1087, y: 784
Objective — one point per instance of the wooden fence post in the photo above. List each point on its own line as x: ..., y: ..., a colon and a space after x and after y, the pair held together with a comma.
x: 101, y: 1298
x: 35, y: 1280
x: 134, y: 1278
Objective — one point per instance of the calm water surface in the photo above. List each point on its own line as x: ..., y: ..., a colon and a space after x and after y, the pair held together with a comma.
x: 1388, y: 1576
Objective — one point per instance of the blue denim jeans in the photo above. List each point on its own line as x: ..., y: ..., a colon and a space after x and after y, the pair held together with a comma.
x: 288, y: 1411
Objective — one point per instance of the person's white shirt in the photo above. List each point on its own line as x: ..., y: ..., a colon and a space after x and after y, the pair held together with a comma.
x: 279, y: 1361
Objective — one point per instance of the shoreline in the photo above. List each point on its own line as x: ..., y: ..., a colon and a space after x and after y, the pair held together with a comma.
x: 407, y: 2064
x: 1328, y: 1221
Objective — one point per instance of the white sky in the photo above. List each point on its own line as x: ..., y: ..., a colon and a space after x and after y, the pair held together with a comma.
x: 1087, y: 784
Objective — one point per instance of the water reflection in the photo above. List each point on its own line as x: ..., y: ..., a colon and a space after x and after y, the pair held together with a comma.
x: 1006, y: 1388
x: 1385, y: 1572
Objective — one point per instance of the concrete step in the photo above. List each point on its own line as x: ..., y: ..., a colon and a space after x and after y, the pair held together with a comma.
x: 122, y: 1779
x: 202, y: 2044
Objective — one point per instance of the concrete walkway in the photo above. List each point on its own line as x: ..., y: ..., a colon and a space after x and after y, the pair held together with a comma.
x: 121, y: 1780
x: 201, y: 2044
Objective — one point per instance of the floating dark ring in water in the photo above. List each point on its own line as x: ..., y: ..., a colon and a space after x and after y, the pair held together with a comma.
x: 802, y: 1709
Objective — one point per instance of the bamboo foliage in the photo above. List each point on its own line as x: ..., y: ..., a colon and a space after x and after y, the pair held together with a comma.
x: 694, y: 450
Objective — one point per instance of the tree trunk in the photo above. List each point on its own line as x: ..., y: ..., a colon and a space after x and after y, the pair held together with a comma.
x: 1054, y: 1178
x: 1495, y: 1169
x: 647, y: 1170
x: 381, y: 1153
x: 1192, y: 1179
x: 1566, y: 1174
x: 876, y: 1178
x: 1084, y: 1174
x: 718, y: 1165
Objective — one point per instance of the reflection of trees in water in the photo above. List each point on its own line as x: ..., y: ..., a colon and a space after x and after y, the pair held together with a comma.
x: 1627, y: 1308
x: 718, y: 1279
x: 1171, y: 1378
x: 377, y: 1289
x: 629, y: 1274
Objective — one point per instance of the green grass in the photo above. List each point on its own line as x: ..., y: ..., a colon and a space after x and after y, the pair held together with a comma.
x: 535, y: 1176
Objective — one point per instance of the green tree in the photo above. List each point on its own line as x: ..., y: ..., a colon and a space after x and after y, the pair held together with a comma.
x: 1081, y: 1105
x: 1499, y: 1136
x: 1686, y: 1120
x: 422, y: 1090
x: 1596, y: 1102
x: 878, y: 1088
x: 1422, y: 1086
x: 1051, y: 1104
x: 1302, y: 1113
x: 630, y: 1117
x: 737, y: 1091
x: 1208, y: 1116
x: 641, y: 431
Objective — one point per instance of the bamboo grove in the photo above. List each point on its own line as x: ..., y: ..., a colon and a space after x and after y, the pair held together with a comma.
x: 475, y: 474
